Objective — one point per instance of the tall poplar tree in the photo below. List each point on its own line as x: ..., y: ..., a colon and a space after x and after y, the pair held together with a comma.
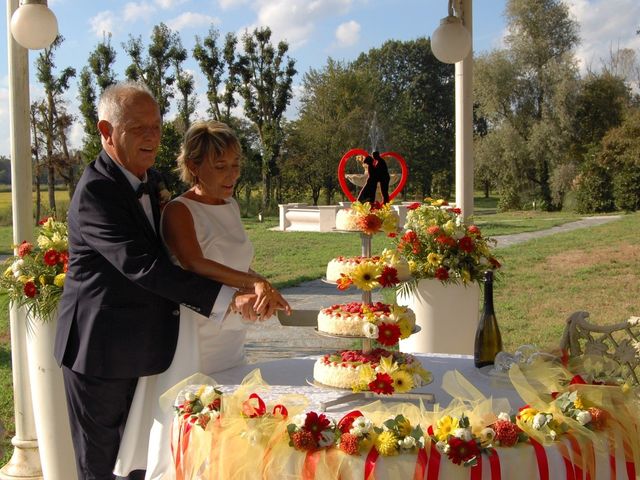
x: 266, y: 75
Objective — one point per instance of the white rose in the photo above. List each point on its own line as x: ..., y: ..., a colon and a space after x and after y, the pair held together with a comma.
x: 407, y: 442
x: 487, y: 435
x: 504, y: 416
x: 299, y: 420
x: 421, y: 442
x: 189, y: 396
x: 370, y: 330
x: 443, y: 447
x: 208, y: 395
x: 463, y: 434
x: 361, y: 424
x: 583, y: 417
x: 539, y: 421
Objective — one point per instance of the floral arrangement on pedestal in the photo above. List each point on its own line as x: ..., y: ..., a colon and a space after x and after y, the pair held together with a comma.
x: 34, y: 277
x: 371, y: 218
x: 438, y: 244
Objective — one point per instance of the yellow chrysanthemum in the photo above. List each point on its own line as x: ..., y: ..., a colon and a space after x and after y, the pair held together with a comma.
x: 449, y: 227
x: 387, y: 443
x: 402, y: 382
x: 365, y: 275
x: 361, y: 208
x: 24, y: 279
x: 579, y: 404
x: 445, y: 427
x: 527, y: 414
x: 404, y: 426
x: 43, y: 279
x: 465, y: 276
x: 8, y: 272
x: 390, y: 223
x: 434, y: 259
x: 58, y: 281
x: 413, y: 266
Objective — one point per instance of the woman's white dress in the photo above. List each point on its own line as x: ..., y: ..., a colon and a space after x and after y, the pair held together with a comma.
x: 203, y: 347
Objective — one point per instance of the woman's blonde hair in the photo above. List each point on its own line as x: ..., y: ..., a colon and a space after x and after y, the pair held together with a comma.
x: 205, y: 141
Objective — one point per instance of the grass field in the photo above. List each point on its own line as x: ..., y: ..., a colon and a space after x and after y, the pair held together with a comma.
x: 542, y: 282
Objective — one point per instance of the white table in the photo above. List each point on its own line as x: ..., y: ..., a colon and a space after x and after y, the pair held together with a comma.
x: 520, y: 462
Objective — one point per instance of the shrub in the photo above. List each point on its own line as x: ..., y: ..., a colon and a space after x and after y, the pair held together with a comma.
x: 594, y: 189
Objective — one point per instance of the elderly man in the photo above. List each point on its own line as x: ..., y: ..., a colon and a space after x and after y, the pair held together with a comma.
x: 118, y: 316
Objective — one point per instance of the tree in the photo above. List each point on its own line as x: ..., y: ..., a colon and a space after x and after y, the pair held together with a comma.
x: 217, y: 65
x: 266, y: 78
x: 56, y: 120
x: 414, y: 106
x: 529, y: 88
x: 165, y: 49
x: 185, y: 87
x: 335, y: 108
x: 99, y: 71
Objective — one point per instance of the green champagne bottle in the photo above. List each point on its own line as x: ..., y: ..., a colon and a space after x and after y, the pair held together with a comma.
x: 488, y: 339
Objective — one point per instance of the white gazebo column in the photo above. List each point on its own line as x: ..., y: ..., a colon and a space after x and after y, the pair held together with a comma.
x: 25, y: 462
x: 464, y: 122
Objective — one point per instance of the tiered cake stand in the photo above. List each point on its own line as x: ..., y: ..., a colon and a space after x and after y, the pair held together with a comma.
x: 366, y: 347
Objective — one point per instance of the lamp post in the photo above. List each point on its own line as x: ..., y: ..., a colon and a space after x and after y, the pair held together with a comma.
x: 31, y: 26
x: 452, y: 42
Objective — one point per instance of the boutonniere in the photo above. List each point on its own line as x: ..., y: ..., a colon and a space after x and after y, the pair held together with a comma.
x: 163, y: 195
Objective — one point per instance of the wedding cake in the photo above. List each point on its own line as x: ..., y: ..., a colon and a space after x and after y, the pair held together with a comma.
x: 358, y: 319
x: 380, y: 371
x: 339, y: 266
x: 367, y: 218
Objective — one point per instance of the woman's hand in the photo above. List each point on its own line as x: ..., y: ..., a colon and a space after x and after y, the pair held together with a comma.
x: 268, y: 299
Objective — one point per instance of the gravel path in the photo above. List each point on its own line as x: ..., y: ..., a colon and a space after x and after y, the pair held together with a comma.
x: 270, y: 340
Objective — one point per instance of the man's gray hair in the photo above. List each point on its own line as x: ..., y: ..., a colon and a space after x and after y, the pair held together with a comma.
x: 111, y: 100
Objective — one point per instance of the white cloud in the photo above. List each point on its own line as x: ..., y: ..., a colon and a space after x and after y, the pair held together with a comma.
x: 294, y: 20
x: 226, y: 4
x: 348, y: 33
x: 137, y: 11
x: 167, y: 4
x: 191, y: 20
x: 102, y: 22
x: 604, y: 26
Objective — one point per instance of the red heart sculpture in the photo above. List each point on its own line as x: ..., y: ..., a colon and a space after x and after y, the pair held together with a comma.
x: 358, y: 151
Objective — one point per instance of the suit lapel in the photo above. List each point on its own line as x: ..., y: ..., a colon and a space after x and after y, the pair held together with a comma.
x: 107, y: 165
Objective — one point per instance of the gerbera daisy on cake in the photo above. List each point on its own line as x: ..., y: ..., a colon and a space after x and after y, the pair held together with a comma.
x: 368, y: 273
x: 368, y: 218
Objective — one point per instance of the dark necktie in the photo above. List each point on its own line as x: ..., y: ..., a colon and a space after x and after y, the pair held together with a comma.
x: 143, y: 189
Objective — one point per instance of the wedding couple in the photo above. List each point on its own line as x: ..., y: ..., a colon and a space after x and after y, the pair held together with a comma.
x: 149, y: 299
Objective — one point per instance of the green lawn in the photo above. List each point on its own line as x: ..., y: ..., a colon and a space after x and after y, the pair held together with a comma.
x: 595, y: 269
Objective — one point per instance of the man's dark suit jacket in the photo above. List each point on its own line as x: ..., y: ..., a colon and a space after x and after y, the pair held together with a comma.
x: 118, y: 316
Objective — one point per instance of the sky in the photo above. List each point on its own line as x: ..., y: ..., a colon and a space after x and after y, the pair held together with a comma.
x: 314, y: 30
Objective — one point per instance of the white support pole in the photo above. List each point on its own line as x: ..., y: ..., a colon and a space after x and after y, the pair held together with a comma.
x: 25, y: 461
x: 464, y: 122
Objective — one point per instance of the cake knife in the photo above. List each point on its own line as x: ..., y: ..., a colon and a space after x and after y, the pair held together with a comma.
x: 298, y: 318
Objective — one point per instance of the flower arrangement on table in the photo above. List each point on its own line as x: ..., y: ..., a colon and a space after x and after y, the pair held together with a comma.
x: 200, y: 407
x: 34, y: 277
x: 438, y: 244
x: 371, y: 218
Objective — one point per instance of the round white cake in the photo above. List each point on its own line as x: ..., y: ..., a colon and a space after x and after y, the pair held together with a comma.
x: 347, y: 219
x: 352, y: 319
x: 342, y: 369
x: 344, y: 265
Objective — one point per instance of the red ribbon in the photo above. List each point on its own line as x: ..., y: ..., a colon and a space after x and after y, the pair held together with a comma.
x: 476, y: 470
x: 494, y: 463
x: 433, y: 469
x: 568, y: 464
x: 310, y: 465
x: 370, y: 463
x: 630, y: 464
x: 280, y: 411
x: 421, y: 465
x: 249, y: 410
x: 346, y: 422
x: 577, y: 455
x: 541, y: 458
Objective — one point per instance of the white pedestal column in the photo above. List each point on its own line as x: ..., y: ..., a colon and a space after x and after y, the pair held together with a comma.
x: 447, y: 316
x: 25, y: 462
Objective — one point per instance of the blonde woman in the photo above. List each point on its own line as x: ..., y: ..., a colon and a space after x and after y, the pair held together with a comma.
x: 204, y: 234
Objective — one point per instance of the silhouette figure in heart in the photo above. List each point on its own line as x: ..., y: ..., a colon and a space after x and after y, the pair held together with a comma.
x: 377, y: 173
